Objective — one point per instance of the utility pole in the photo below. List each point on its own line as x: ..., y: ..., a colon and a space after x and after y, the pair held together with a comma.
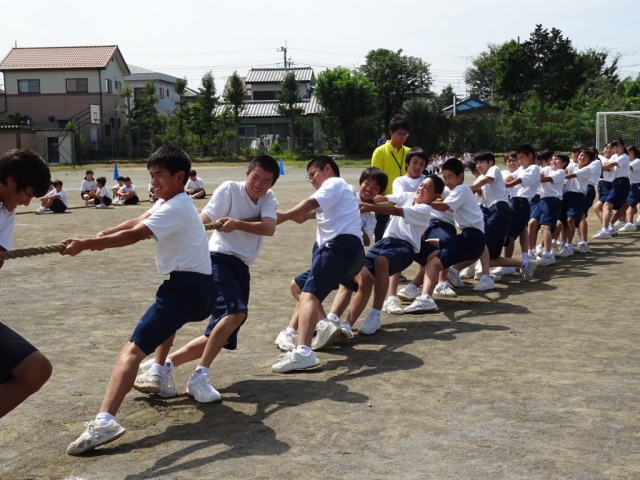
x: 284, y: 49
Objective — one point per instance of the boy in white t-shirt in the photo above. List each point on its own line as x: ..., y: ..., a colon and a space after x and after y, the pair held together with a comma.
x: 187, y: 296
x: 249, y: 212
x: 618, y: 167
x: 195, y: 186
x: 410, y: 217
x: 56, y: 200
x: 128, y: 193
x: 337, y: 259
x: 23, y: 369
x: 634, y: 192
x: 101, y: 196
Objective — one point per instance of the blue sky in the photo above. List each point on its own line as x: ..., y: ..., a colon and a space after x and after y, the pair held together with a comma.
x: 227, y: 36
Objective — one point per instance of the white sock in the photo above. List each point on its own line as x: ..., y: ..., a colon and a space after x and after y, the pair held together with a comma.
x: 486, y: 275
x: 103, y: 418
x: 156, y: 369
x: 322, y: 323
x: 168, y: 366
x: 525, y: 258
x: 390, y: 297
x: 291, y: 330
x: 411, y: 286
x: 453, y: 270
x: 303, y: 350
x: 375, y: 312
x: 346, y: 325
x: 200, y: 370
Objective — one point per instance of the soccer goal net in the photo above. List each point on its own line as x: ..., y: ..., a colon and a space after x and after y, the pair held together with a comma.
x: 612, y: 126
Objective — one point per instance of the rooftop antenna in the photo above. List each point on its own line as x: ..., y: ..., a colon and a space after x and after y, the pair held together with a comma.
x: 284, y: 49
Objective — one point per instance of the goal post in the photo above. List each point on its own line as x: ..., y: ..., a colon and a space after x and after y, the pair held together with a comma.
x: 617, y: 125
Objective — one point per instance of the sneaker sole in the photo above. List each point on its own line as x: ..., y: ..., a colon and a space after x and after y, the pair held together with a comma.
x: 296, y: 369
x: 404, y: 298
x: 118, y: 434
x: 413, y: 312
x: 219, y: 398
x: 330, y: 340
x: 147, y: 388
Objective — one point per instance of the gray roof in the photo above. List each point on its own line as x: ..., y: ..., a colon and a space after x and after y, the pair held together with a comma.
x: 269, y: 108
x: 276, y: 75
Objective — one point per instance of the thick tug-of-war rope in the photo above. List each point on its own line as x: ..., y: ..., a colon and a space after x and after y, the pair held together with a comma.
x: 33, y: 251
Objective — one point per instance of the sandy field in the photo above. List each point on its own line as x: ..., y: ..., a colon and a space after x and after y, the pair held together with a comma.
x: 533, y: 380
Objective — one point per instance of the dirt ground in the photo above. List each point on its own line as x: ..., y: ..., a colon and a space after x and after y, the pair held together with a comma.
x: 535, y: 381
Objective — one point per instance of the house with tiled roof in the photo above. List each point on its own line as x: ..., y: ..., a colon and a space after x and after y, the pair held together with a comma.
x: 260, y: 120
x: 165, y: 88
x: 52, y: 85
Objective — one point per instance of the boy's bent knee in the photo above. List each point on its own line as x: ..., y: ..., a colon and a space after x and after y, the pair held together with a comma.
x: 33, y: 372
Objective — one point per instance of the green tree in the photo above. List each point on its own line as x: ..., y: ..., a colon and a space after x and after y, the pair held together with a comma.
x: 235, y: 96
x: 146, y: 116
x: 124, y: 106
x: 180, y: 110
x: 349, y: 98
x: 396, y: 78
x: 288, y: 99
x: 207, y: 101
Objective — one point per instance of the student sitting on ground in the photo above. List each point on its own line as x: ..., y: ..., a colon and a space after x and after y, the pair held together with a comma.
x: 195, y: 186
x: 55, y: 201
x: 100, y: 197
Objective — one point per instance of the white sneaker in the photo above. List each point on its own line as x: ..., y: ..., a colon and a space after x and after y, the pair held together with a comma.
x: 146, y: 365
x: 148, y: 382
x: 613, y: 231
x: 200, y: 388
x: 583, y: 247
x: 540, y: 250
x: 370, y: 325
x: 102, y: 205
x: 286, y: 341
x: 294, y: 360
x: 577, y: 240
x: 424, y: 303
x: 565, y: 251
x: 326, y: 333
x: 40, y: 210
x: 468, y: 272
x: 445, y: 290
x: 408, y: 293
x: 546, y: 259
x: 486, y: 283
x: 94, y: 436
x: 555, y: 246
x: 502, y: 271
x: 392, y: 305
x: 618, y: 225
x: 602, y: 234
x: 346, y: 334
x: 454, y: 279
x: 526, y: 270
x: 628, y: 227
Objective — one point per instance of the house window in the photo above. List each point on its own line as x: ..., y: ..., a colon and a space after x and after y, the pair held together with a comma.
x: 118, y: 85
x: 28, y: 86
x: 161, y: 90
x: 137, y: 92
x: 77, y: 85
x: 247, y: 131
x: 108, y: 86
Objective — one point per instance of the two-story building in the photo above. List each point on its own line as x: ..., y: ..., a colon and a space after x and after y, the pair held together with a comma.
x: 52, y: 85
x: 165, y: 88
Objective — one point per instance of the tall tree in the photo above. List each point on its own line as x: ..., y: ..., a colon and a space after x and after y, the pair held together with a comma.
x: 207, y: 102
x: 145, y: 113
x: 288, y: 99
x: 349, y: 98
x: 124, y: 106
x: 235, y: 96
x: 396, y: 78
x: 180, y: 111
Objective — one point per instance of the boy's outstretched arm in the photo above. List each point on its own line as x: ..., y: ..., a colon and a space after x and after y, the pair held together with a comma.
x: 126, y: 225
x: 266, y: 226
x: 303, y: 207
x: 112, y: 240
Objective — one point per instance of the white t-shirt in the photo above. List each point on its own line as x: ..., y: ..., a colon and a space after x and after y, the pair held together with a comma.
x: 88, y: 186
x: 635, y: 173
x: 581, y: 180
x: 466, y: 211
x: 622, y: 170
x: 182, y: 240
x: 124, y: 189
x: 7, y: 223
x: 495, y: 191
x: 412, y: 225
x: 530, y: 178
x: 406, y: 184
x: 197, y: 183
x: 368, y: 224
x: 554, y: 188
x: 338, y: 213
x: 595, y: 168
x: 610, y: 175
x: 446, y: 216
x: 232, y: 200
x: 105, y: 192
x: 63, y: 196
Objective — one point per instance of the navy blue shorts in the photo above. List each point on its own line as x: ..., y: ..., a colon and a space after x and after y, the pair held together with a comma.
x: 57, y: 206
x: 444, y: 232
x: 185, y: 297
x: 573, y: 206
x: 232, y: 280
x: 13, y: 350
x: 132, y: 201
x: 535, y: 206
x: 634, y: 194
x: 548, y: 211
x: 398, y: 252
x: 620, y: 191
x: 337, y: 261
x: 521, y: 215
x: 496, y: 227
x: 604, y: 190
x: 467, y: 245
x: 590, y: 197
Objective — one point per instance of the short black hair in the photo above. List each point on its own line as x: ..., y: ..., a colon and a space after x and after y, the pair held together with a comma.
x: 127, y: 179
x: 563, y: 158
x: 526, y: 149
x: 485, y: 156
x: 57, y: 183
x: 453, y: 165
x: 101, y: 180
x: 545, y: 154
x: 416, y: 152
x: 399, y: 122
x: 376, y: 175
x: 589, y: 153
x: 268, y: 164
x: 27, y: 168
x: 322, y: 161
x: 120, y: 179
x: 438, y: 183
x: 635, y: 151
x: 172, y: 159
x: 192, y: 173
x: 577, y: 149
